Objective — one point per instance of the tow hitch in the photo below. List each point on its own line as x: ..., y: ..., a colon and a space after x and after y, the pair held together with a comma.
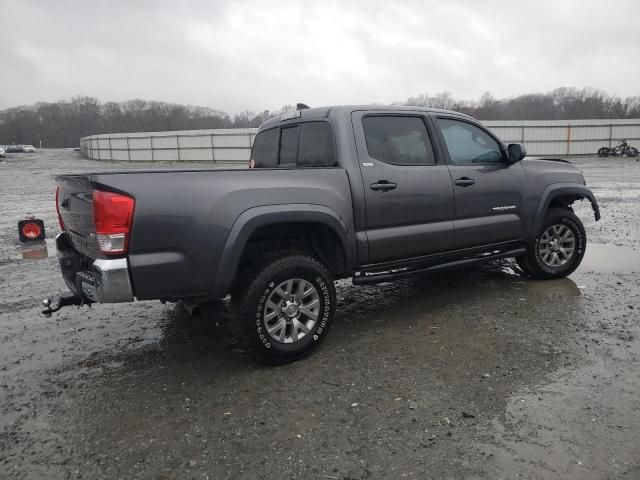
x: 55, y: 303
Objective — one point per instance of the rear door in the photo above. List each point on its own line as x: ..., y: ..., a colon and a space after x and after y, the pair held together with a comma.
x: 488, y: 189
x: 408, y: 191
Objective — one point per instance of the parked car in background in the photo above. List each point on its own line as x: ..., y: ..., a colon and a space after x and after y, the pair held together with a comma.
x: 2, y: 152
x: 13, y: 149
x: 28, y: 148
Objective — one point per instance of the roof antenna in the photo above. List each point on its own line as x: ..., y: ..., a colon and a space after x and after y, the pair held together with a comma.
x: 301, y: 106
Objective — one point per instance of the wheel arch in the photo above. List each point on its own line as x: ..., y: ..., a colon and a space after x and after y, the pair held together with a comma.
x: 562, y: 195
x: 257, y: 218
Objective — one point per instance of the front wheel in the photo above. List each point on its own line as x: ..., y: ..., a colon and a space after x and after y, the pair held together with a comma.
x: 632, y: 152
x: 558, y: 247
x: 603, y: 152
x: 283, y: 308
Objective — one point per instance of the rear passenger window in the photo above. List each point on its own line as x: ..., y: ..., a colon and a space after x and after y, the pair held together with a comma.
x: 307, y: 144
x: 398, y: 140
x: 316, y: 145
x: 265, y: 149
x: 289, y: 146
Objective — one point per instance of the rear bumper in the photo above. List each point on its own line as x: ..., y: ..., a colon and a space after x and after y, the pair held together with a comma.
x: 100, y: 280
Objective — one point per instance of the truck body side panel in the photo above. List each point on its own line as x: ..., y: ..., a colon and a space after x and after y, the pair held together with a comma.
x: 182, y: 219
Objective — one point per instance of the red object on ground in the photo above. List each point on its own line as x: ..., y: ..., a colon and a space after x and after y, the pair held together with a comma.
x: 31, y: 230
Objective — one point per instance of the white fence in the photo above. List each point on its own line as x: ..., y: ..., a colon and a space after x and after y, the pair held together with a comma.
x: 217, y: 146
x: 541, y: 137
x: 566, y: 137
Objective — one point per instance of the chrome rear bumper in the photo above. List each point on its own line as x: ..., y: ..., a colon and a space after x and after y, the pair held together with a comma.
x: 100, y: 280
x: 113, y: 284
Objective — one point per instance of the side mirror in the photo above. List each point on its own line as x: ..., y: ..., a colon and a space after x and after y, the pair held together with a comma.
x: 516, y: 152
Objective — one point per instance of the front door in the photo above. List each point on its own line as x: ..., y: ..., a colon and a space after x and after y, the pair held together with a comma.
x: 408, y: 191
x: 488, y: 190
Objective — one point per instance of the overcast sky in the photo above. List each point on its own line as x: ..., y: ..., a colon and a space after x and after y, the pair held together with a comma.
x: 257, y: 55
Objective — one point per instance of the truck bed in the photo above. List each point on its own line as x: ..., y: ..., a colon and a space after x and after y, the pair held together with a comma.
x: 182, y: 218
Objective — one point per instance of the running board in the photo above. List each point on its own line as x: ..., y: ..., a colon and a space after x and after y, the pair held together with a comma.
x: 363, y: 278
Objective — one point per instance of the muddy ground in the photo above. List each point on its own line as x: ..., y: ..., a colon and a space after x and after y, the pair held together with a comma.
x: 480, y: 373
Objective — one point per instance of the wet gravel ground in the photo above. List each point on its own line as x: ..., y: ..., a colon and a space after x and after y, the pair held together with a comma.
x: 479, y: 373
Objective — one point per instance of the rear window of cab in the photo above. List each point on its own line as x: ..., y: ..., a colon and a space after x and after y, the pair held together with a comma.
x: 308, y: 144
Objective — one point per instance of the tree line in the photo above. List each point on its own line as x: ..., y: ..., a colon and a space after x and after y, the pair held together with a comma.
x: 63, y: 123
x: 565, y: 103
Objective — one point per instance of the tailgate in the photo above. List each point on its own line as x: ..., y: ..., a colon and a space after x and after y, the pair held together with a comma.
x: 75, y: 204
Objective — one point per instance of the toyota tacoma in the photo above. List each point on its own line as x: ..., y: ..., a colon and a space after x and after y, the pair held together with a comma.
x: 369, y: 193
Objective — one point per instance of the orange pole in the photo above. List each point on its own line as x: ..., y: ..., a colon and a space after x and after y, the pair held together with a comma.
x: 568, y: 138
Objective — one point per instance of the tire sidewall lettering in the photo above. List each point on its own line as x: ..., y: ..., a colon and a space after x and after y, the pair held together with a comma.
x: 326, y: 310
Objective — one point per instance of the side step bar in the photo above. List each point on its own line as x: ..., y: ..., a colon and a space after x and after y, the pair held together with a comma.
x: 364, y: 278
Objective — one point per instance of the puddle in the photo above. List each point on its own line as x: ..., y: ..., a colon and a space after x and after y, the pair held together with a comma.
x: 610, y: 259
x: 582, y: 424
x: 552, y: 290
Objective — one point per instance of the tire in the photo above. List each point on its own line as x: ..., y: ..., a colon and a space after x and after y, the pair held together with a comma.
x: 294, y: 328
x: 632, y: 152
x: 542, y: 261
x: 603, y: 152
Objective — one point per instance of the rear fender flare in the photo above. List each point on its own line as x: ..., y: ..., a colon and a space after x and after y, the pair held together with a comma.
x: 254, y: 218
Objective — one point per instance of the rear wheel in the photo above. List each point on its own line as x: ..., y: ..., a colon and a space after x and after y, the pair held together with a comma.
x: 283, y: 308
x: 603, y: 152
x: 558, y: 247
x: 632, y: 152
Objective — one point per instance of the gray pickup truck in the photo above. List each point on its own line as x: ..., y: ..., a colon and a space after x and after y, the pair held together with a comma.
x: 369, y: 193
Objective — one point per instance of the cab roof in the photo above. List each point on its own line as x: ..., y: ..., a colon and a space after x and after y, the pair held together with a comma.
x: 325, y: 112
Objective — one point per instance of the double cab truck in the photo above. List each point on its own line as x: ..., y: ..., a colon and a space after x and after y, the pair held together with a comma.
x: 369, y: 193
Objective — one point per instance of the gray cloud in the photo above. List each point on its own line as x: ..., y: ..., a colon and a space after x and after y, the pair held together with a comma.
x: 263, y: 54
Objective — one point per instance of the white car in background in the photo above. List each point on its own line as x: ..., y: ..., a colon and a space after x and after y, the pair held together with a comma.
x: 2, y: 152
x: 28, y: 148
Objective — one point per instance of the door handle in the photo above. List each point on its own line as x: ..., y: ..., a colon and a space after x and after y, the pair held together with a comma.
x: 464, y: 182
x: 383, y: 186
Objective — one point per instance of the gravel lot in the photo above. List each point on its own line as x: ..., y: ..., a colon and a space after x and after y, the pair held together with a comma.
x: 479, y: 373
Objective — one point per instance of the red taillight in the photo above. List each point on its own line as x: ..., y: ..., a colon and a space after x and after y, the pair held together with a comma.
x: 112, y: 217
x: 58, y: 209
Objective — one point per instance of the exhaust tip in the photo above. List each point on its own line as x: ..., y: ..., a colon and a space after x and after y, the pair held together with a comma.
x: 193, y: 309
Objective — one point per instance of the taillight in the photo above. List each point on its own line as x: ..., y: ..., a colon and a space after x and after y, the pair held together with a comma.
x: 112, y: 217
x: 58, y: 209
